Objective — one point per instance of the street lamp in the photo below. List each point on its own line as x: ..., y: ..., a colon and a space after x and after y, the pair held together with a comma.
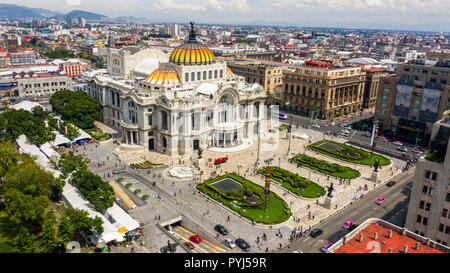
x: 290, y: 126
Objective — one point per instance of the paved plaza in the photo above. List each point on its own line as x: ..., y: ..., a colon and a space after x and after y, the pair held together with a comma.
x: 171, y: 197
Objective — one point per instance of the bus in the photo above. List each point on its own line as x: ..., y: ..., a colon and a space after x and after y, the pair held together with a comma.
x: 280, y: 115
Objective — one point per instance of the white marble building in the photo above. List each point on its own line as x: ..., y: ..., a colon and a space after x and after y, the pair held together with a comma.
x: 191, y: 101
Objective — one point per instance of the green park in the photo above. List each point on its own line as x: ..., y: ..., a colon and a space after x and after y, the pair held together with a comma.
x: 246, y: 198
x: 326, y: 167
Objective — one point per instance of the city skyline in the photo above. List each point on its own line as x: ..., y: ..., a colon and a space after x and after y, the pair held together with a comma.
x: 417, y: 15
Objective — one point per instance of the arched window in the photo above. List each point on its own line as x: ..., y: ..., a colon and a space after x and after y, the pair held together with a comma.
x: 199, y: 76
x: 164, y: 121
x: 186, y: 77
x: 192, y: 76
x: 221, y: 73
x: 204, y: 75
x: 215, y: 74
x: 210, y: 74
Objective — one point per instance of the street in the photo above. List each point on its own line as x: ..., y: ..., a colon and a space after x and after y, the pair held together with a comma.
x: 393, y: 210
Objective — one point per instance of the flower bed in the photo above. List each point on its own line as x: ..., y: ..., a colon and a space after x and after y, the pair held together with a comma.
x: 326, y: 167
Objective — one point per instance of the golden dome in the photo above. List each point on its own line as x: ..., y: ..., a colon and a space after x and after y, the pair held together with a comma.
x: 163, y: 76
x: 191, y: 52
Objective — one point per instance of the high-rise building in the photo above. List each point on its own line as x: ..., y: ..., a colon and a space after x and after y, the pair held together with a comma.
x: 409, y: 102
x: 429, y: 204
x: 82, y: 22
x: 321, y: 89
x: 69, y: 22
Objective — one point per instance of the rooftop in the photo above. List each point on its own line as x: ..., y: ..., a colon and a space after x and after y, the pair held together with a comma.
x: 388, y: 239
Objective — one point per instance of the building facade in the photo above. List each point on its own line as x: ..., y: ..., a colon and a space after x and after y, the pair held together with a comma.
x: 266, y: 74
x: 429, y: 205
x: 411, y: 101
x: 190, y: 102
x: 373, y: 76
x: 322, y: 90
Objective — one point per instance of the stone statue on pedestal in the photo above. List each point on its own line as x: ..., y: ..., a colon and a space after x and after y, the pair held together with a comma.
x: 330, y: 190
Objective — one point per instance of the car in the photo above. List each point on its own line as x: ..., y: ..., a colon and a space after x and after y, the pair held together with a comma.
x: 189, y: 245
x: 325, y: 247
x: 118, y: 171
x: 347, y: 224
x: 402, y: 149
x: 353, y: 117
x: 333, y: 123
x: 297, y: 251
x: 220, y: 160
x: 221, y: 229
x: 390, y: 183
x: 316, y: 232
x: 195, y: 238
x: 316, y: 125
x: 397, y: 143
x: 380, y: 200
x: 242, y: 244
x: 228, y: 242
x: 323, y: 124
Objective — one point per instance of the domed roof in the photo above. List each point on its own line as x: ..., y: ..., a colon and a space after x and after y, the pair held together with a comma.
x: 165, y: 75
x: 191, y: 52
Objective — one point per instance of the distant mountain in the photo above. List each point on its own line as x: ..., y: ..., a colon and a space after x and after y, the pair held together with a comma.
x: 46, y: 13
x: 15, y: 12
x: 90, y: 16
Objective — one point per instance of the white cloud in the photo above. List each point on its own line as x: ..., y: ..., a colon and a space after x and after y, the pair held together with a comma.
x: 73, y: 2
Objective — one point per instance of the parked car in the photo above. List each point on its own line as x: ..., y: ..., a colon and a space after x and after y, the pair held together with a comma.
x: 353, y: 117
x: 347, y: 224
x: 242, y: 244
x: 380, y: 200
x: 220, y: 160
x: 118, y: 171
x: 316, y: 232
x: 195, y: 238
x: 402, y: 149
x: 189, y: 245
x: 228, y: 242
x: 221, y: 229
x: 325, y: 247
x: 397, y: 143
x: 390, y: 183
x: 333, y: 123
x: 297, y: 251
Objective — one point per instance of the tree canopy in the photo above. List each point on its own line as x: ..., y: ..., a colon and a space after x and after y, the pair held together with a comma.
x: 76, y: 107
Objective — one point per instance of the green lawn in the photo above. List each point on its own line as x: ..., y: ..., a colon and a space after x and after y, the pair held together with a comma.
x: 350, y: 154
x: 295, y: 183
x: 98, y: 134
x: 277, y: 211
x: 326, y: 167
x: 7, y: 233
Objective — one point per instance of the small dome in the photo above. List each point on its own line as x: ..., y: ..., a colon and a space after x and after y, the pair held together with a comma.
x: 164, y: 76
x: 229, y: 72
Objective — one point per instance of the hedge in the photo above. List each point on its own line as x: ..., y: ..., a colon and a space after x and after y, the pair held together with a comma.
x: 326, y: 167
x: 295, y: 183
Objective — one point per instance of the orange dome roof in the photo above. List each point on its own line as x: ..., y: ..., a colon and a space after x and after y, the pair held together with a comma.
x: 163, y: 75
x: 191, y: 52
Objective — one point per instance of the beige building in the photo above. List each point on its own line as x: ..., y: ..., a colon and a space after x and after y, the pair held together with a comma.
x: 409, y: 103
x: 373, y: 76
x: 429, y: 205
x: 321, y: 87
x: 267, y: 74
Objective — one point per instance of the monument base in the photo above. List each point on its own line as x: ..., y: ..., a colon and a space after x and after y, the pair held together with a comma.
x: 374, y: 177
x: 329, y: 202
x: 198, y: 162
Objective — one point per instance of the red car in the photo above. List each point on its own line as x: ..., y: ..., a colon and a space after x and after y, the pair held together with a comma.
x: 195, y: 238
x: 190, y: 245
x: 220, y: 160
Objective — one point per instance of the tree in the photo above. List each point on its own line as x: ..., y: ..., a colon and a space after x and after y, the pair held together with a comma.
x: 78, y: 225
x: 25, y: 242
x: 49, y: 240
x: 70, y: 162
x: 76, y: 107
x: 8, y: 157
x: 99, y: 193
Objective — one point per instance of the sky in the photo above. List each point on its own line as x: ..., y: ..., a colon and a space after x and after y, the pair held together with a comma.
x: 428, y: 15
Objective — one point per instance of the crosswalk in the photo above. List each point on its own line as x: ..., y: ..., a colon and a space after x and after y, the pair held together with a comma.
x: 205, y: 246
